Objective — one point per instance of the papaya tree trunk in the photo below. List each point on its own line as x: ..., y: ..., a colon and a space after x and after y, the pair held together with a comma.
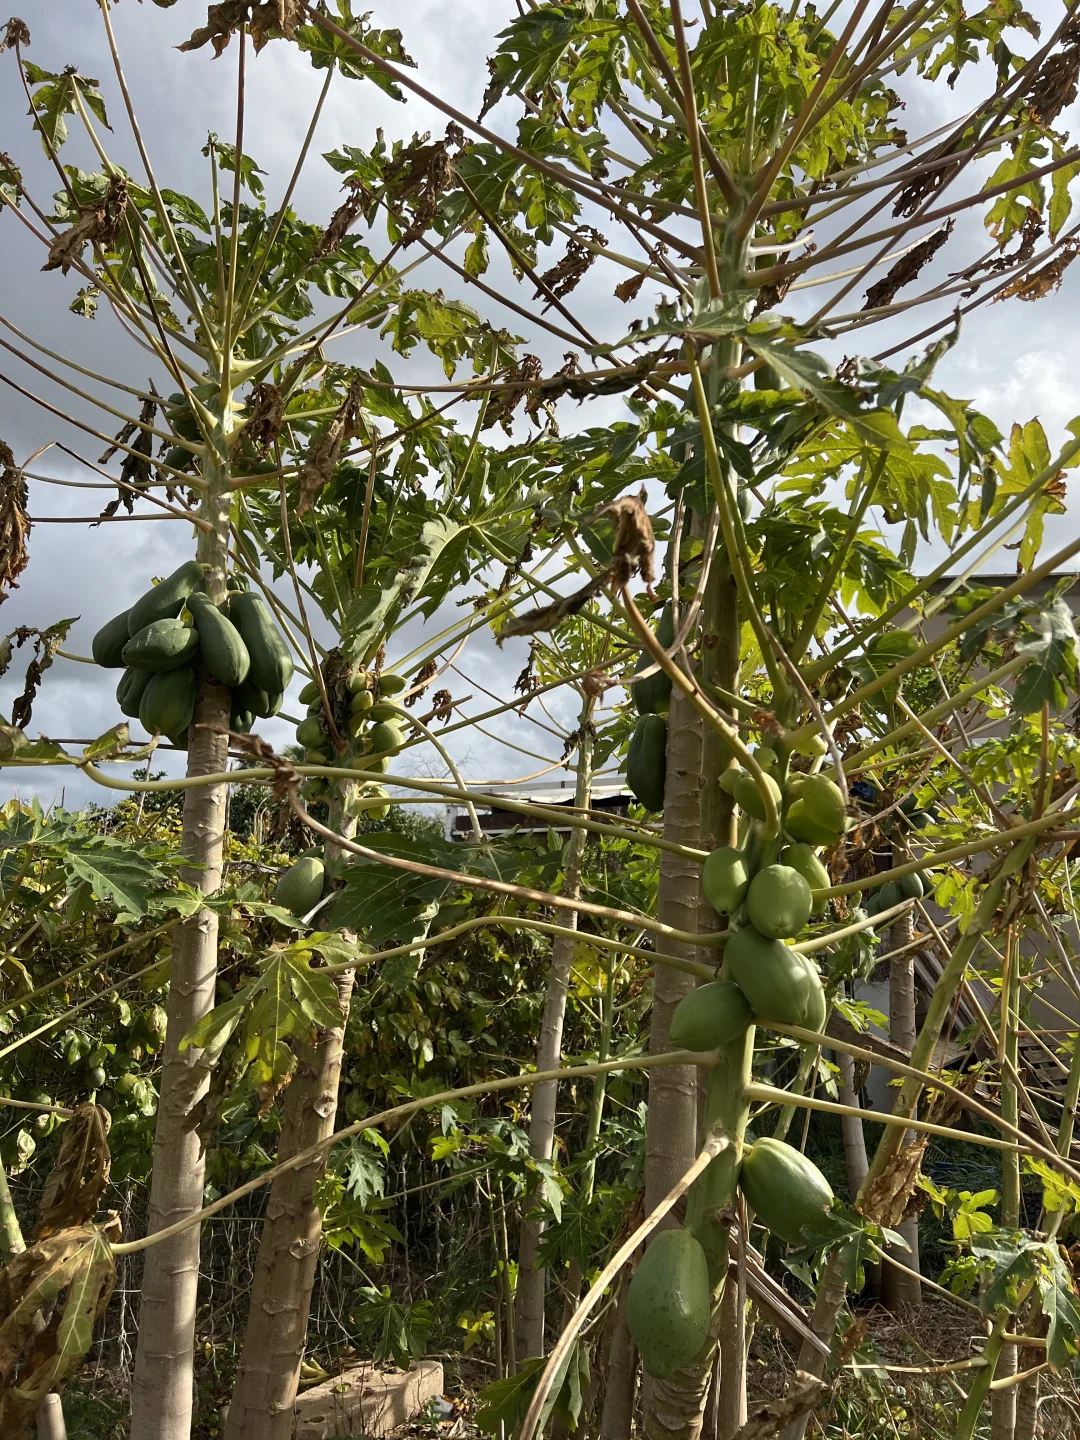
x: 617, y: 1416
x: 731, y: 1380
x: 900, y: 1289
x: 1003, y: 1402
x: 162, y: 1388
x: 532, y: 1277
x: 269, y: 1371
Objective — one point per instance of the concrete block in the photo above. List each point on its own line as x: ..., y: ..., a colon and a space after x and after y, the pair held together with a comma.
x: 366, y: 1401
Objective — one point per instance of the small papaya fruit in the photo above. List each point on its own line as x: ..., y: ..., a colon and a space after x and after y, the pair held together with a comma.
x: 712, y: 1015
x: 748, y: 796
x: 387, y: 736
x: 310, y: 692
x: 801, y: 857
x: 779, y: 983
x: 784, y: 1189
x: 779, y: 901
x: 823, y: 801
x: 912, y: 886
x: 107, y: 646
x: 300, y: 888
x: 800, y: 826
x: 310, y: 733
x: 725, y: 878
x: 391, y: 684
x: 646, y: 761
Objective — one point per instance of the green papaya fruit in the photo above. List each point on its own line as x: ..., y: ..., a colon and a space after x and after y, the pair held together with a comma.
x: 785, y: 1190
x: 823, y: 801
x: 748, y: 796
x: 911, y: 886
x: 223, y: 652
x: 310, y: 733
x: 646, y: 761
x: 271, y: 664
x: 391, y: 684
x: 317, y: 757
x: 378, y: 764
x: 889, y: 895
x: 165, y: 601
x: 107, y: 646
x: 728, y: 779
x: 378, y: 812
x: 766, y: 757
x: 273, y: 705
x: 168, y: 702
x: 779, y: 901
x: 129, y: 692
x: 300, y: 888
x: 800, y: 826
x: 725, y: 878
x: 357, y: 682
x: 712, y: 1015
x: 779, y: 983
x: 745, y: 502
x: 241, y: 721
x: 652, y: 696
x: 387, y: 736
x: 357, y: 726
x: 812, y: 746
x: 801, y: 857
x: 314, y: 788
x: 180, y: 739
x: 361, y: 702
x: 310, y: 692
x: 250, y: 697
x: 669, y: 1302
x: 162, y: 645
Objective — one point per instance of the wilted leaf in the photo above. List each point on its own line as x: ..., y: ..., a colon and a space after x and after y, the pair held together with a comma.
x: 78, y: 1179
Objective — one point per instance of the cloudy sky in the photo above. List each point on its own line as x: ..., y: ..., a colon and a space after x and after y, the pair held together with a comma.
x: 1015, y: 361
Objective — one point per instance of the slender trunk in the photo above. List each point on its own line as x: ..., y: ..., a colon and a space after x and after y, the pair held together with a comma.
x: 162, y: 1388
x: 50, y: 1413
x: 731, y: 1405
x: 532, y: 1277
x: 899, y: 1288
x: 269, y: 1372
x: 1026, y: 1424
x: 1003, y: 1402
x: 832, y: 1290
x: 671, y: 1133
x: 855, y: 1159
x: 617, y: 1417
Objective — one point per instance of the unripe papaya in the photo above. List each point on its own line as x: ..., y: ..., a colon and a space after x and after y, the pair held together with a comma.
x: 310, y: 733
x: 728, y: 779
x: 800, y: 826
x: 357, y: 725
x: 362, y: 701
x: 812, y: 746
x: 129, y: 692
x: 748, y: 796
x: 646, y: 761
x: 223, y: 652
x: 387, y: 736
x: 766, y: 757
x: 779, y: 983
x: 107, y: 646
x: 669, y: 1302
x: 317, y: 757
x: 710, y: 1016
x: 378, y: 812
x: 241, y: 721
x: 378, y: 765
x: 271, y: 664
x: 823, y: 801
x: 889, y: 895
x: 310, y: 692
x: 300, y: 888
x: 357, y: 682
x: 779, y: 901
x: 785, y: 1189
x: 165, y: 601
x: 912, y: 887
x: 168, y: 702
x: 162, y: 645
x: 652, y: 696
x: 314, y: 788
x: 725, y: 878
x: 179, y: 458
x: 384, y: 710
x: 251, y: 697
x: 391, y: 684
x: 802, y: 858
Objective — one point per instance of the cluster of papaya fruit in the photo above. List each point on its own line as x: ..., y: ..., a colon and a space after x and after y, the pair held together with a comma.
x: 374, y: 723
x: 646, y: 759
x: 669, y: 1303
x: 174, y: 624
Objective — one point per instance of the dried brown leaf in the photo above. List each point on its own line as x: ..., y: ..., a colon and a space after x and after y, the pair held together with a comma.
x: 14, y: 523
x: 504, y: 402
x: 78, y: 1179
x: 771, y: 1418
x: 566, y: 274
x: 546, y: 617
x: 886, y: 1200
x: 15, y: 33
x: 1044, y: 281
x: 627, y: 289
x: 265, y: 21
x: 267, y: 414
x: 98, y: 224
x: 343, y: 217
x: 1054, y: 87
x: 635, y: 545
x: 325, y: 449
x: 906, y: 269
x: 45, y: 645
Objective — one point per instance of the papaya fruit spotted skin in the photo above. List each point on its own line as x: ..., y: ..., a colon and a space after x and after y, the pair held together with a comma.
x: 646, y: 761
x: 778, y: 983
x: 911, y: 886
x: 785, y: 1189
x: 270, y: 661
x: 714, y: 1014
x: 669, y: 1302
x: 107, y: 646
x: 779, y: 901
x: 168, y: 702
x: 801, y: 857
x: 823, y: 801
x: 725, y: 878
x: 165, y: 601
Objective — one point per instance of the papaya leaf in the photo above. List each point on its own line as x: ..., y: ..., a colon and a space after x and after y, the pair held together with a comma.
x: 401, y: 582
x: 114, y: 871
x: 213, y: 1031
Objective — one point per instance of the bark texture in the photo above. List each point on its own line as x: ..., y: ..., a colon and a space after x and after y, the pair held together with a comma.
x: 617, y: 1416
x: 671, y: 1135
x: 161, y: 1395
x: 731, y: 1380
x: 532, y: 1278
x: 269, y: 1372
